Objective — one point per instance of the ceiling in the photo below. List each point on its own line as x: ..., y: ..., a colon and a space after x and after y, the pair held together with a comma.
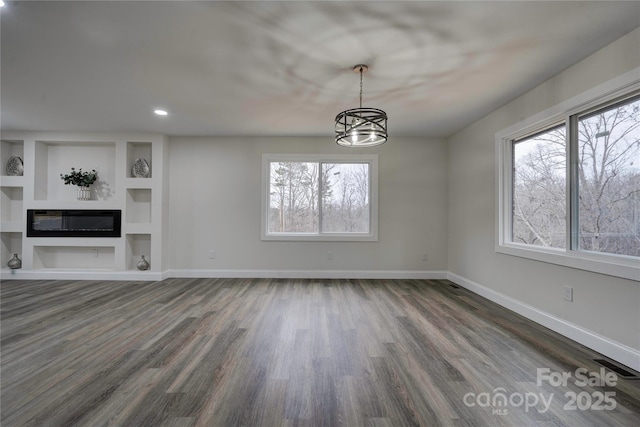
x: 285, y: 68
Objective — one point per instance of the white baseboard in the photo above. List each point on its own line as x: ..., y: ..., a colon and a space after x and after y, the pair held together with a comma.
x: 619, y: 352
x: 311, y: 274
x: 55, y: 274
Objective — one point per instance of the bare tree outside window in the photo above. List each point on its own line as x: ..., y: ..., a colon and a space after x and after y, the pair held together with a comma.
x: 539, y: 189
x: 299, y: 191
x: 609, y: 180
x: 293, y: 197
x: 345, y: 208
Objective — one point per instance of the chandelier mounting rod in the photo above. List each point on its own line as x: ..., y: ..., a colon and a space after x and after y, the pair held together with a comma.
x: 360, y: 68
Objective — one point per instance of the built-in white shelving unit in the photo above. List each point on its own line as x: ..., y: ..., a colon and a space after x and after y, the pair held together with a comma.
x: 11, y: 201
x: 143, y: 202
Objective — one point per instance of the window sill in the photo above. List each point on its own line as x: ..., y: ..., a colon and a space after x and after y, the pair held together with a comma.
x: 610, y: 265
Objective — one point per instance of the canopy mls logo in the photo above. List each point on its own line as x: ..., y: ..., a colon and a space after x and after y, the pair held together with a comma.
x: 500, y: 402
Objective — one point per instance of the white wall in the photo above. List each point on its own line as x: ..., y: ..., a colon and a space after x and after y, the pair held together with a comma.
x: 215, y: 205
x: 606, y: 306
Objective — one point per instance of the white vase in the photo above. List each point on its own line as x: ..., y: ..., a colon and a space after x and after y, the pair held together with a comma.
x: 83, y: 193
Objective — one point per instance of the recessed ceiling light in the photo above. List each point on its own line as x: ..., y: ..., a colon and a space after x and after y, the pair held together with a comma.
x: 1, y: 3
x: 158, y: 111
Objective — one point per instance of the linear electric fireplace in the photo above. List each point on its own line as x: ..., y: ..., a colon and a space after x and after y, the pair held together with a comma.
x: 73, y: 223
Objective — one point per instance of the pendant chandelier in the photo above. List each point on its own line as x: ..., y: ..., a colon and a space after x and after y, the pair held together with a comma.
x: 361, y: 127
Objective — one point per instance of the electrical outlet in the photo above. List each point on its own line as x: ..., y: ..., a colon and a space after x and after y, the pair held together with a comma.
x: 425, y: 258
x: 212, y: 254
x: 568, y: 293
x: 330, y: 255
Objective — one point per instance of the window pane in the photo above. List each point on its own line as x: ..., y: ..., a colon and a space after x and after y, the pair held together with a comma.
x: 539, y: 189
x: 609, y: 180
x: 293, y: 197
x: 345, y: 197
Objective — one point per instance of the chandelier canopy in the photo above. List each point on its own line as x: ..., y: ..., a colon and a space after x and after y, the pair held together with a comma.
x: 361, y: 127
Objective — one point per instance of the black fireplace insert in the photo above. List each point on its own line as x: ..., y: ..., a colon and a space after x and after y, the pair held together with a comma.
x: 73, y: 223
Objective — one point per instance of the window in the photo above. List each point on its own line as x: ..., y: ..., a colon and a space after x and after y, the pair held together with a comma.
x: 539, y: 189
x: 313, y: 197
x: 569, y: 187
x: 608, y: 181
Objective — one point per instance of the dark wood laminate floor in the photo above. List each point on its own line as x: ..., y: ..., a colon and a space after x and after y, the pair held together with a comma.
x: 281, y: 352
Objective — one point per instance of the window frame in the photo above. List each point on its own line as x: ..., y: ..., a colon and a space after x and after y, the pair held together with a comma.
x: 609, y: 93
x: 370, y: 159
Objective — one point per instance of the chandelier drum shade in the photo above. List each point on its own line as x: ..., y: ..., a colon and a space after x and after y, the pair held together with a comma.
x: 361, y: 127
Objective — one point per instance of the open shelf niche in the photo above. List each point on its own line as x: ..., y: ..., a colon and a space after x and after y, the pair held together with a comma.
x: 139, y: 150
x: 53, y: 158
x: 9, y: 148
x: 138, y: 206
x: 136, y: 246
x: 11, y: 244
x: 74, y: 257
x: 11, y: 201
